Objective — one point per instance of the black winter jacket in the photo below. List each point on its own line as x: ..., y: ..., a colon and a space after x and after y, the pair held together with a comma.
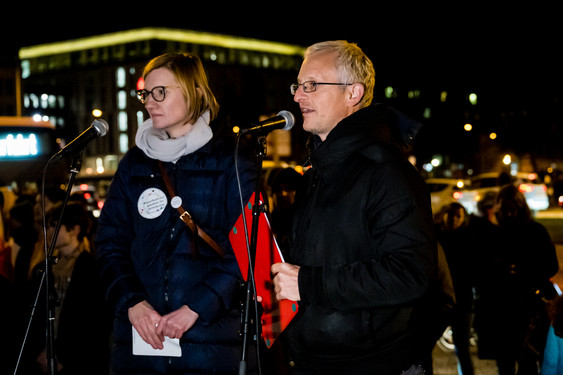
x: 363, y: 236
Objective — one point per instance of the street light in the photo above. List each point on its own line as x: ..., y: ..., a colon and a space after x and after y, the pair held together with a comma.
x: 507, y: 159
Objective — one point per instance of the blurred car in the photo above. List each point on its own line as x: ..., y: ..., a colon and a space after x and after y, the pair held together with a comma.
x: 534, y: 191
x: 87, y: 195
x: 444, y: 191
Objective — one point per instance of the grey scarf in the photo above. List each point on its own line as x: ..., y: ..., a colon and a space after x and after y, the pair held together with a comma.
x: 156, y: 143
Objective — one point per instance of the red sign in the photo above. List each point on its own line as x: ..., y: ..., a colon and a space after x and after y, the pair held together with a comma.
x: 277, y: 314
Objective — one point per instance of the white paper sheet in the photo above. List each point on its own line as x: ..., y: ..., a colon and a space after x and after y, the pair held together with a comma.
x: 171, y: 347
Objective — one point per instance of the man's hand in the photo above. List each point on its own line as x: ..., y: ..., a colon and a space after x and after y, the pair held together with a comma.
x: 145, y: 320
x: 286, y: 285
x: 175, y: 324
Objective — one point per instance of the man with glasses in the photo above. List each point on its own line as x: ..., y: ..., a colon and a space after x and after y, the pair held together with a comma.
x: 363, y: 249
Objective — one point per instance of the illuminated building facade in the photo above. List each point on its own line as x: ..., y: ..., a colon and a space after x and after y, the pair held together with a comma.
x: 72, y: 82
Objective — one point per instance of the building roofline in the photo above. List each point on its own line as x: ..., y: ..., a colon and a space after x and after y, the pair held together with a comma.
x: 24, y: 121
x: 151, y: 33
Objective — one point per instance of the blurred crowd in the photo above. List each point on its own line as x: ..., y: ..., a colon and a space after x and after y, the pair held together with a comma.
x: 75, y: 291
x: 493, y: 286
x: 496, y: 291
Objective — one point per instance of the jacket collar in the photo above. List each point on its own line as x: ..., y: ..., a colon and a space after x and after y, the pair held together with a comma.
x: 150, y: 166
x: 371, y: 125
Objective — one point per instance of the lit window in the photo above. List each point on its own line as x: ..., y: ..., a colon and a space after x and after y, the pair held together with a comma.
x: 34, y: 100
x: 140, y: 118
x: 123, y: 143
x: 121, y: 99
x: 44, y: 98
x: 122, y: 121
x: 52, y: 101
x: 120, y: 77
x: 443, y: 96
x: 25, y: 69
x: 413, y: 94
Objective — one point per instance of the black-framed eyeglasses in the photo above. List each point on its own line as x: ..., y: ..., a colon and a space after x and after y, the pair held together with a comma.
x: 158, y: 93
x: 311, y: 86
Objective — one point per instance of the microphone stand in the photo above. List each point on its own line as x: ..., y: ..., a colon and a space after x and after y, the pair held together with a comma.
x: 50, y: 293
x: 75, y: 166
x: 257, y: 208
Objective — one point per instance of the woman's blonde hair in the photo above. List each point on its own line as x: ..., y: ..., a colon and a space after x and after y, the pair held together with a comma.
x: 188, y: 71
x: 352, y: 64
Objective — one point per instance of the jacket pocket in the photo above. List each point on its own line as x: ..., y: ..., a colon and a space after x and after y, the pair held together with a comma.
x: 334, y: 332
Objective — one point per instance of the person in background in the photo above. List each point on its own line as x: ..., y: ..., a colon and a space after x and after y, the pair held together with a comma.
x: 5, y: 250
x: 23, y: 238
x: 518, y: 276
x: 486, y: 240
x: 363, y: 252
x: 166, y: 273
x: 6, y: 314
x: 553, y: 354
x: 436, y: 314
x: 82, y: 321
x: 453, y: 234
x: 284, y: 183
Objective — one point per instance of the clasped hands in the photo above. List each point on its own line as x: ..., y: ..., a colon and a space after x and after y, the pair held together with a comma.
x: 152, y: 327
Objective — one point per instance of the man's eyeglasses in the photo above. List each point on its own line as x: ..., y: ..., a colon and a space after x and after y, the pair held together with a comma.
x: 311, y: 86
x: 158, y: 93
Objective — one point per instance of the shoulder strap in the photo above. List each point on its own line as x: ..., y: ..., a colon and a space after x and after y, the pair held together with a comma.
x: 186, y: 217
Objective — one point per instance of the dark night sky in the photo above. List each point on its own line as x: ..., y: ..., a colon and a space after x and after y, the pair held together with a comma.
x: 510, y: 56
x: 443, y: 45
x: 439, y: 46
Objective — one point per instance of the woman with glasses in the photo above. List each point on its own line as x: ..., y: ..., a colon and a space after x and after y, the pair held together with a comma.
x: 162, y: 238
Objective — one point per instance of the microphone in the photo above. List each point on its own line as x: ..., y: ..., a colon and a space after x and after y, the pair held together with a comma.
x: 284, y: 121
x: 99, y: 128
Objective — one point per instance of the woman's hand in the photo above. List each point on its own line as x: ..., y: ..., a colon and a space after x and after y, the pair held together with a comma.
x: 178, y: 322
x: 145, y: 320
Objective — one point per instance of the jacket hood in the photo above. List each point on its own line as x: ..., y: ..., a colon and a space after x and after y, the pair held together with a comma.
x: 371, y: 125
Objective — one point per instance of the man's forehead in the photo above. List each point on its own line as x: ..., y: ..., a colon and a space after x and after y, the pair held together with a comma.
x: 318, y: 67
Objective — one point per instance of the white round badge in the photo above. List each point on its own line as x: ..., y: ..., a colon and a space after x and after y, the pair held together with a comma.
x: 151, y: 203
x: 176, y: 201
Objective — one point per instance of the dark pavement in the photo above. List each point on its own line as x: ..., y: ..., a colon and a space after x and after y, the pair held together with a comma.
x: 445, y: 362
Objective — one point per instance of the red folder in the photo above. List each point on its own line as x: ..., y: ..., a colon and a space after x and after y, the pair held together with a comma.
x: 277, y: 314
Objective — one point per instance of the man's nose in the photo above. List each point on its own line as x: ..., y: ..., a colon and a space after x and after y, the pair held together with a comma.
x: 299, y: 94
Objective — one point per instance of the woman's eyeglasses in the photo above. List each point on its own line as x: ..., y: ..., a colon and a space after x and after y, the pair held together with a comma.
x: 158, y: 93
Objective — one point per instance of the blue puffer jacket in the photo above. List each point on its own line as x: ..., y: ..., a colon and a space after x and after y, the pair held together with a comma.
x: 152, y: 259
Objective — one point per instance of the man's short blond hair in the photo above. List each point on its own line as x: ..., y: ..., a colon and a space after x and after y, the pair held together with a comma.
x: 352, y: 64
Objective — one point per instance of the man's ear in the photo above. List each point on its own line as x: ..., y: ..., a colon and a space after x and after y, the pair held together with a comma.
x: 355, y: 94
